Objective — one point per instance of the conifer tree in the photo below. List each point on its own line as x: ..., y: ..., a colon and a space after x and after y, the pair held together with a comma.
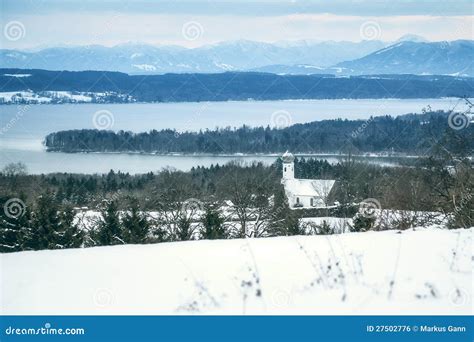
x: 109, y: 229
x: 284, y: 221
x: 52, y: 226
x: 72, y: 235
x: 45, y: 231
x: 135, y: 224
x: 13, y: 228
x: 213, y: 224
x: 184, y: 230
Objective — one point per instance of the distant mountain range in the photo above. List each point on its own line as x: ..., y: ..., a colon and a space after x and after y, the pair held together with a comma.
x: 409, y: 55
x: 440, y: 58
x: 238, y: 55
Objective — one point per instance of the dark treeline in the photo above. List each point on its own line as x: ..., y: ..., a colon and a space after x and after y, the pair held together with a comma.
x: 238, y: 86
x: 409, y: 134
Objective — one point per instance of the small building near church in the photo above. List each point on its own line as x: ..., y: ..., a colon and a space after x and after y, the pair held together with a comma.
x: 304, y: 193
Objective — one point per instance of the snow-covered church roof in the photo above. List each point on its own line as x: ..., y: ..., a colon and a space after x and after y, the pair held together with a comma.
x: 308, y: 187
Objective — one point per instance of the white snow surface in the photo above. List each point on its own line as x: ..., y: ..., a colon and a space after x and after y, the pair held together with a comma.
x: 81, y: 97
x: 27, y: 95
x: 17, y: 75
x: 145, y: 67
x: 30, y: 96
x: 309, y: 187
x: 411, y: 272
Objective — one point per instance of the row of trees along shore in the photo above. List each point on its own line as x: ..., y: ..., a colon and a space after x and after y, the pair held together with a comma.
x: 412, y: 134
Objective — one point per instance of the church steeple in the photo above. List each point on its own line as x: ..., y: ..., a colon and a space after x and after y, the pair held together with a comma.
x: 288, y: 165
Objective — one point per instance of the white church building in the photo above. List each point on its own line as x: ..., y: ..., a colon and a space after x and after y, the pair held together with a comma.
x: 304, y: 193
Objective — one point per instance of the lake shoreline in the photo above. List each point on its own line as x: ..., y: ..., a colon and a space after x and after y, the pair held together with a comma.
x: 25, y: 130
x: 249, y: 100
x: 237, y: 155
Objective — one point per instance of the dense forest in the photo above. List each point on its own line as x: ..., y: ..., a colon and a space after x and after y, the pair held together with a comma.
x: 238, y: 86
x: 408, y: 134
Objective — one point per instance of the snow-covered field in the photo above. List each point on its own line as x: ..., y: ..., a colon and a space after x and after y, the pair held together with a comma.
x: 31, y: 97
x: 420, y: 271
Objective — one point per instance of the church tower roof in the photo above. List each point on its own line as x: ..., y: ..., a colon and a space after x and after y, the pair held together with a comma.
x: 287, y: 157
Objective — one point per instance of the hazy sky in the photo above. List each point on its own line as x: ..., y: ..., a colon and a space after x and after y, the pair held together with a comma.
x: 32, y: 23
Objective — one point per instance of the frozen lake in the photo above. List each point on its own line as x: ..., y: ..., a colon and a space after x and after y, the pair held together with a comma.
x: 22, y: 128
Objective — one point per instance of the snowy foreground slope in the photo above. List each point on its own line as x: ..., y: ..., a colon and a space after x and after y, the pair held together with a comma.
x: 422, y: 271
